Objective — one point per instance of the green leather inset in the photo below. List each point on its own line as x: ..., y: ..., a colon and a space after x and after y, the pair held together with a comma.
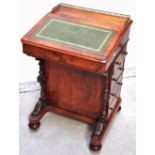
x: 75, y: 35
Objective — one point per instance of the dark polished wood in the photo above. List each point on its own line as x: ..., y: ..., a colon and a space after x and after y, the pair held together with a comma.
x: 77, y: 83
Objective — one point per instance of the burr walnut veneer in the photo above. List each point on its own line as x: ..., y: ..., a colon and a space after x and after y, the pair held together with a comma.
x: 81, y: 54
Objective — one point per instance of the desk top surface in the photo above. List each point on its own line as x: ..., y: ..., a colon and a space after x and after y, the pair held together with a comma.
x: 74, y: 35
x: 77, y: 31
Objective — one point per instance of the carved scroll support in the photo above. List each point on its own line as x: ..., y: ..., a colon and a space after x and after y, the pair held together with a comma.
x: 40, y: 107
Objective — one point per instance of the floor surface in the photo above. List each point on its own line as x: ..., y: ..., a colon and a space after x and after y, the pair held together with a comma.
x: 59, y: 135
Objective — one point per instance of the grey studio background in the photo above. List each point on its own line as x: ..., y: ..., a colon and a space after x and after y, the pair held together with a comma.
x: 63, y: 136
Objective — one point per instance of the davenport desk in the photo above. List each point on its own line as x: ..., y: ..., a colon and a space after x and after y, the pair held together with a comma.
x: 81, y: 54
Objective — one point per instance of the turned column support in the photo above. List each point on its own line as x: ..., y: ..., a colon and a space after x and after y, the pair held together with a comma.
x: 96, y: 136
x: 101, y: 128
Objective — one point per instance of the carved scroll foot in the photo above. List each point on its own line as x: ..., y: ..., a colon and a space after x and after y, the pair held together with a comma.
x: 39, y: 111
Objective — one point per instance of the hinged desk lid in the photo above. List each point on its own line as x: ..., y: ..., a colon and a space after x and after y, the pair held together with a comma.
x: 78, y: 32
x: 72, y: 34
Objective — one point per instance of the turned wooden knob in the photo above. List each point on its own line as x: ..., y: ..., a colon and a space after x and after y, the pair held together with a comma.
x: 118, y: 63
x: 112, y: 94
x: 125, y: 53
x: 119, y: 83
x: 121, y: 68
x: 114, y: 79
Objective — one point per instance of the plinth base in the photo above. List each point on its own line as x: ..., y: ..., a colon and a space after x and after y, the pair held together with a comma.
x: 98, y: 132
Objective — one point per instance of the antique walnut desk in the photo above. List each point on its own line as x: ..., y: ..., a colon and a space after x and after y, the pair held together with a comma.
x: 81, y: 55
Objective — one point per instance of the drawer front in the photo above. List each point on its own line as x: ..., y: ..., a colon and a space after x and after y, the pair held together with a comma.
x: 117, y: 76
x: 113, y: 99
x: 118, y: 66
x: 115, y: 85
x: 115, y: 88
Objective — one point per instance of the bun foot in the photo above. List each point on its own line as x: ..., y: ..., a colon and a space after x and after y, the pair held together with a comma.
x: 34, y: 126
x: 95, y: 147
x: 119, y: 109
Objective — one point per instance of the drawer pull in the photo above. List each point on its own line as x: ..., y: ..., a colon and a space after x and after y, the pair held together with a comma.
x: 118, y: 63
x: 119, y: 83
x: 112, y: 94
x: 121, y: 68
x: 125, y: 53
x: 114, y: 79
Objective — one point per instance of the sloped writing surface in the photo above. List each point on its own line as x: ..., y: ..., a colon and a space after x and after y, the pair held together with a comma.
x: 75, y: 35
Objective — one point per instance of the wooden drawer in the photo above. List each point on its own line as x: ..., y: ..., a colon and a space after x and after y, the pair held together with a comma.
x: 119, y: 65
x: 115, y: 84
x: 115, y: 88
x: 117, y: 76
x: 113, y: 99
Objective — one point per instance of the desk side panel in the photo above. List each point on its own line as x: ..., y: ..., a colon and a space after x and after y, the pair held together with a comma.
x: 75, y: 90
